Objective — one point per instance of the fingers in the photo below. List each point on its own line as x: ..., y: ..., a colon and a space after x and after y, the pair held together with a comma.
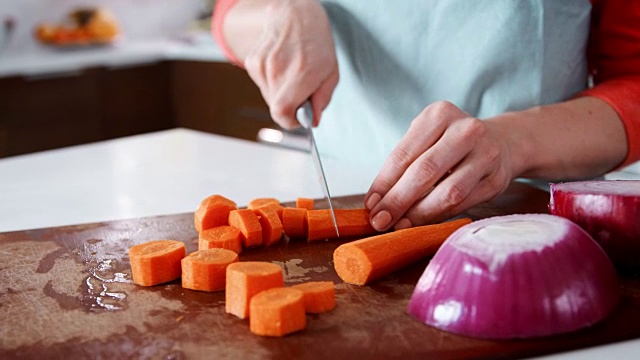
x: 435, y: 143
x: 469, y: 185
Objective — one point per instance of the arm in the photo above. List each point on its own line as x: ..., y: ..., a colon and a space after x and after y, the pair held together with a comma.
x: 448, y: 161
x: 287, y: 48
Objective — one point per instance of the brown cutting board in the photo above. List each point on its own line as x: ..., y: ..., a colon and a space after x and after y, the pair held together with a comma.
x: 66, y: 292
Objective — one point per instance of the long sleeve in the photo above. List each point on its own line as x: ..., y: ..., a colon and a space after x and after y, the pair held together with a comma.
x: 217, y: 28
x: 614, y: 56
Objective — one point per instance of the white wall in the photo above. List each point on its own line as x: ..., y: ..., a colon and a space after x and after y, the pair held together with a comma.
x: 139, y: 19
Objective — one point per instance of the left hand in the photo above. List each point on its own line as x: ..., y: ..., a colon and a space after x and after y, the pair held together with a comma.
x: 446, y: 163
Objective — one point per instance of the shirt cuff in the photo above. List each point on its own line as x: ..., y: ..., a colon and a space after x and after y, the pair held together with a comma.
x: 623, y: 95
x: 217, y: 28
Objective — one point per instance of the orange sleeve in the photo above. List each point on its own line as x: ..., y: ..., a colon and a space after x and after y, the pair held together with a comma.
x: 217, y: 28
x: 614, y: 62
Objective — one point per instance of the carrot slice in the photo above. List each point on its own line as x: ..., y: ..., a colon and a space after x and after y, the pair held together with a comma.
x: 206, y: 270
x: 222, y: 237
x: 351, y: 223
x: 248, y: 224
x: 319, y: 296
x: 270, y: 223
x: 247, y: 278
x: 156, y: 262
x: 277, y: 312
x: 305, y: 203
x: 275, y: 208
x: 260, y: 202
x: 213, y: 211
x: 294, y: 222
x: 362, y: 261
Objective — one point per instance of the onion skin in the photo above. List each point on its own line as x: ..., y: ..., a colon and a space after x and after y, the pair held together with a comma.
x: 562, y: 284
x: 609, y: 210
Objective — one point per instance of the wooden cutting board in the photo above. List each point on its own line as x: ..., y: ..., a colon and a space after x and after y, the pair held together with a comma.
x: 66, y: 292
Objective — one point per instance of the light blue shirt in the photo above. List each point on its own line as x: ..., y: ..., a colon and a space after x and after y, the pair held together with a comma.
x: 485, y: 56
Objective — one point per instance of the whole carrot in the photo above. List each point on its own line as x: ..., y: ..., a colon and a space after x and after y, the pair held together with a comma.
x: 362, y: 261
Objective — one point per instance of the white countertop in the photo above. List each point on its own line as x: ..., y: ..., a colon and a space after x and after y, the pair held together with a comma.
x: 170, y: 172
x: 39, y: 60
x: 155, y: 174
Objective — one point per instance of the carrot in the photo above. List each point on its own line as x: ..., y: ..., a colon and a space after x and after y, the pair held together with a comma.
x: 271, y: 225
x: 260, y: 202
x: 205, y: 270
x: 247, y: 278
x: 277, y: 208
x: 351, y: 223
x: 156, y: 262
x: 213, y: 211
x: 223, y: 237
x: 294, y: 222
x: 248, y: 224
x: 277, y: 312
x: 305, y: 203
x: 362, y: 261
x: 319, y: 296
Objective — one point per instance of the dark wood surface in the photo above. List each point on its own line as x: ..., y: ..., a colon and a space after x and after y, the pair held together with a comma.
x: 66, y: 293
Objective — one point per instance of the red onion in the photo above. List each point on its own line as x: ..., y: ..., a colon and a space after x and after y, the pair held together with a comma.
x: 516, y: 276
x: 609, y: 210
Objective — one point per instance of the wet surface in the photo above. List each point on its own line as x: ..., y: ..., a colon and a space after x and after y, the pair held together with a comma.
x: 67, y: 292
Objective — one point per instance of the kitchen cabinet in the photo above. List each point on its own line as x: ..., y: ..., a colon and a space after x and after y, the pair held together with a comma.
x: 219, y: 98
x: 63, y: 109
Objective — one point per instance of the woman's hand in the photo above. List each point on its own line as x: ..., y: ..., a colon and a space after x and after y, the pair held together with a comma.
x: 447, y: 162
x: 294, y: 59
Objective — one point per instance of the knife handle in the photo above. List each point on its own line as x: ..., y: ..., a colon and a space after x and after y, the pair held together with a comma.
x: 304, y: 114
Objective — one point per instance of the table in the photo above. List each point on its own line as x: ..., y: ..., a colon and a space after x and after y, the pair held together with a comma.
x: 66, y: 290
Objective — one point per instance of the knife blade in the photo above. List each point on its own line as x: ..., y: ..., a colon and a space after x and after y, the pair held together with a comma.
x: 304, y: 114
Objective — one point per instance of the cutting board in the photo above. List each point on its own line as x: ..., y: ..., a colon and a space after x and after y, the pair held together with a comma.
x: 66, y: 292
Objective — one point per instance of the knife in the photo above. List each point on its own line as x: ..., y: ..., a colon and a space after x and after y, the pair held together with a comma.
x: 305, y: 118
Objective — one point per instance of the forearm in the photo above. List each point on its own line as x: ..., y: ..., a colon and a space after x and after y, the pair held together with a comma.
x: 579, y: 138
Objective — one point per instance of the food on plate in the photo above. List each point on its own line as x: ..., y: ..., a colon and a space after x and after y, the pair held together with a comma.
x: 609, y: 210
x: 213, y: 211
x: 248, y: 223
x: 270, y: 224
x: 516, y: 276
x: 351, y: 223
x: 363, y: 261
x: 156, y: 262
x: 83, y: 26
x: 305, y: 203
x: 247, y: 278
x: 319, y: 296
x: 223, y: 237
x: 294, y: 222
x: 205, y: 270
x: 277, y: 312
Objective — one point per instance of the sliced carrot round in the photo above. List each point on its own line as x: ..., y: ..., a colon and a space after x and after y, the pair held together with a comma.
x: 205, y: 270
x: 249, y: 225
x: 305, y: 203
x: 277, y: 312
x: 319, y: 296
x: 247, y: 278
x: 223, y: 237
x: 213, y: 211
x: 294, y: 222
x: 271, y: 225
x: 156, y: 262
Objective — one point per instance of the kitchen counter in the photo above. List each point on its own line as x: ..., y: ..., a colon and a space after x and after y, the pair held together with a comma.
x: 36, y: 60
x: 164, y: 173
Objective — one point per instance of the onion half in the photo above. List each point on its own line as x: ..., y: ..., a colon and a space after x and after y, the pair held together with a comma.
x: 516, y: 276
x: 609, y: 210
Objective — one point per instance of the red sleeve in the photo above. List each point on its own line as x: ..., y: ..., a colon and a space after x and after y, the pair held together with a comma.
x: 614, y: 61
x: 217, y: 28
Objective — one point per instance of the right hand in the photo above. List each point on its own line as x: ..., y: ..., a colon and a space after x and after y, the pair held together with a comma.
x: 294, y: 60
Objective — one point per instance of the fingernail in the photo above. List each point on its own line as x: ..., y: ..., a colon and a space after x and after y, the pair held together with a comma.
x: 403, y: 223
x: 381, y: 220
x: 372, y: 200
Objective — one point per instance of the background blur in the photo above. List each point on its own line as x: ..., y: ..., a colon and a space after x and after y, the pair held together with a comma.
x: 162, y: 70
